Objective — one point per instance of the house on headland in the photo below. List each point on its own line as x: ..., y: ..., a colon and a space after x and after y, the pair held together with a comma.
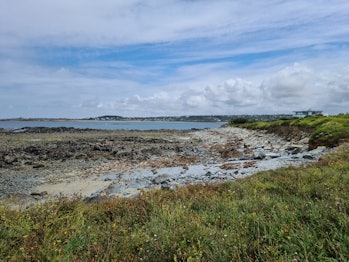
x: 307, y: 113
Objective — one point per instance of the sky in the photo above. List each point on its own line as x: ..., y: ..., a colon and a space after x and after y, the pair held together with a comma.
x: 87, y: 58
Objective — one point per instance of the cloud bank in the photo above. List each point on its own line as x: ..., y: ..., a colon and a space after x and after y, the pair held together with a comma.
x: 172, y: 57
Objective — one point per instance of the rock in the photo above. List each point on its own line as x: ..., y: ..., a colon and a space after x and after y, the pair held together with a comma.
x: 38, y: 165
x: 308, y: 156
x: 161, y: 179
x: 277, y: 147
x: 9, y: 159
x: 294, y: 149
x: 208, y: 173
x: 304, y: 141
x: 273, y: 155
x: 94, y: 199
x: 40, y: 194
x: 260, y: 154
x: 318, y: 150
x: 179, y: 149
x: 165, y: 186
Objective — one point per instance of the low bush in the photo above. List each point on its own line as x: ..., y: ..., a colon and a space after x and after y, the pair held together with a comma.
x: 239, y: 120
x: 323, y: 130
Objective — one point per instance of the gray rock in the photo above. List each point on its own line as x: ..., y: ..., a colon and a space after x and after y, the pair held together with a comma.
x: 308, y: 156
x: 40, y: 194
x: 318, y: 150
x: 38, y: 165
x: 273, y: 155
x: 94, y: 198
x: 161, y: 179
x: 260, y: 154
x: 165, y: 186
x: 10, y: 159
x: 294, y: 149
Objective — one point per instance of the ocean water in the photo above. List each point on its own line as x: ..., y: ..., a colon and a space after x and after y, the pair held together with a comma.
x: 112, y: 125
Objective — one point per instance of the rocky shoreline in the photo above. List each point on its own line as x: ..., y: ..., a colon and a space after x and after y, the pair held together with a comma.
x: 37, y: 164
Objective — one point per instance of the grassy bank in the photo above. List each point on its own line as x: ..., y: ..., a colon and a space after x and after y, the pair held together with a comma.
x: 323, y: 130
x: 291, y: 214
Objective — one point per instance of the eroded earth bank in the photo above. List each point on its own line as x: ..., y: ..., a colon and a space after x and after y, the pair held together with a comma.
x: 41, y: 163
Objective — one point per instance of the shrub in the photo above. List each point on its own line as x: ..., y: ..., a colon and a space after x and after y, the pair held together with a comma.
x: 239, y: 120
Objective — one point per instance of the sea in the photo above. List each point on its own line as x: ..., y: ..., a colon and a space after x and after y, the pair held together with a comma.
x: 112, y: 125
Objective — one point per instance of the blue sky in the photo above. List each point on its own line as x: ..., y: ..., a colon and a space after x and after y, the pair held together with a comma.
x: 87, y: 58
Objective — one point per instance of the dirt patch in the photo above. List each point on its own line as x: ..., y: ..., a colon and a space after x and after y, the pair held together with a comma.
x: 229, y: 166
x: 292, y: 132
x: 249, y: 164
x: 228, y: 150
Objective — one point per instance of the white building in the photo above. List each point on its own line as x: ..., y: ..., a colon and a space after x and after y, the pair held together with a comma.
x: 307, y: 113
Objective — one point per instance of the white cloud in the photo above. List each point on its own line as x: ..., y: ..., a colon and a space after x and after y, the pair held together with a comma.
x: 294, y: 87
x: 234, y: 92
x: 221, y: 57
x: 290, y: 85
x: 106, y: 22
x: 301, y: 87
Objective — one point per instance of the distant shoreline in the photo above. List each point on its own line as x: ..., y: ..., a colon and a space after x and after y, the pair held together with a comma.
x: 96, y: 120
x: 189, y: 118
x: 108, y: 124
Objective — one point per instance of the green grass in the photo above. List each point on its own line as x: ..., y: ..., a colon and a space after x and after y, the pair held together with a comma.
x: 291, y: 214
x: 323, y: 130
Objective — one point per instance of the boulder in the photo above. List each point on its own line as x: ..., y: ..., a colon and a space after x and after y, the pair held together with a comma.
x: 308, y: 156
x: 260, y: 154
x: 294, y: 149
x: 161, y: 179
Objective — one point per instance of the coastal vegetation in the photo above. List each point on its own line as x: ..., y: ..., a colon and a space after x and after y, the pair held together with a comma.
x: 323, y: 130
x: 289, y: 214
